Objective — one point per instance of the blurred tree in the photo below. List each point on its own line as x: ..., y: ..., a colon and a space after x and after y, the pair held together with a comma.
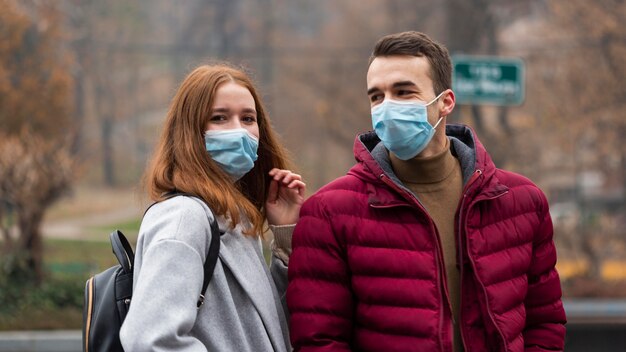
x: 321, y: 53
x: 104, y: 38
x: 108, y: 22
x: 473, y: 29
x: 34, y: 173
x: 580, y: 94
x: 35, y: 84
x: 36, y: 167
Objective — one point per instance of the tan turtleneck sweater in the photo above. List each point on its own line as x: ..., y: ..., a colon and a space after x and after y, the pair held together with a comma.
x: 437, y: 181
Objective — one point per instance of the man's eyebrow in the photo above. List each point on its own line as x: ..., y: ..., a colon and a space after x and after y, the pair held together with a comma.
x: 404, y: 83
x: 395, y: 85
x: 372, y: 90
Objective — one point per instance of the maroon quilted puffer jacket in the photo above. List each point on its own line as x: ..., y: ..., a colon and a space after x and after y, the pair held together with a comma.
x: 366, y: 272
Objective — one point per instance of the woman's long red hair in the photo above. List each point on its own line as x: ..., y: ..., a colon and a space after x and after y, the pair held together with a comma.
x: 181, y: 162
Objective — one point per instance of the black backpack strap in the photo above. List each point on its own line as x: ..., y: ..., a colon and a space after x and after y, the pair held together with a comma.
x: 211, y: 259
x: 214, y: 248
x: 122, y: 250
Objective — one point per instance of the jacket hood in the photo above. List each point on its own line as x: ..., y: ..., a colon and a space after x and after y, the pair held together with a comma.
x: 373, y: 157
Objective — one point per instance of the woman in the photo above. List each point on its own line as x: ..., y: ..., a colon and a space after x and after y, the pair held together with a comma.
x: 218, y: 146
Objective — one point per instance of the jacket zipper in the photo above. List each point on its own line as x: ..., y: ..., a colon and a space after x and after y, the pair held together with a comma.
x: 439, y: 257
x: 474, y: 177
x: 471, y: 260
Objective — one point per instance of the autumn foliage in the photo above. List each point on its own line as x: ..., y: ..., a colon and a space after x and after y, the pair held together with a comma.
x: 36, y: 168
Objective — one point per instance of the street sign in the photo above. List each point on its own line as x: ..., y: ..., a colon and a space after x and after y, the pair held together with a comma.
x: 488, y: 80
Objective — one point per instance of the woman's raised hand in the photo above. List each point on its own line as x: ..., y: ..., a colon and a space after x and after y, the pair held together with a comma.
x: 285, y: 197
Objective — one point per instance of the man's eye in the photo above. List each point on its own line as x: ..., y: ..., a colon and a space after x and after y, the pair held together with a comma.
x: 375, y: 98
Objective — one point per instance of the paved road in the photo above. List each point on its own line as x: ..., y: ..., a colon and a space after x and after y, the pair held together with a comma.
x: 76, y: 217
x: 41, y: 341
x: 79, y: 228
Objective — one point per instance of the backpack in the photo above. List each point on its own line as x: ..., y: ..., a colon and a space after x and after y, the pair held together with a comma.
x: 108, y: 294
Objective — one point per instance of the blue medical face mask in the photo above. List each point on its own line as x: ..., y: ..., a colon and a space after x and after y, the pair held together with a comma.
x: 234, y: 150
x: 403, y: 126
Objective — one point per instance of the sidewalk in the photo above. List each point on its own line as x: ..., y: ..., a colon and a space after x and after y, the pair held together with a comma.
x: 41, y: 341
x: 75, y: 217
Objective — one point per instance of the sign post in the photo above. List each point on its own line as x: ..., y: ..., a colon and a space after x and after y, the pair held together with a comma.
x: 488, y: 80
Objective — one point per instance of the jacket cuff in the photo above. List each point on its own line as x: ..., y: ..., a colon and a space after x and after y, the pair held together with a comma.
x: 281, y: 245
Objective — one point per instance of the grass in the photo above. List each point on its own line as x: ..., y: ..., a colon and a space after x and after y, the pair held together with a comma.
x: 43, y: 319
x: 57, y: 303
x: 94, y: 255
x: 68, y: 264
x: 131, y: 226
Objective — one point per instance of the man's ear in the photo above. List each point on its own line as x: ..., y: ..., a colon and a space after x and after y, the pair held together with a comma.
x: 449, y: 101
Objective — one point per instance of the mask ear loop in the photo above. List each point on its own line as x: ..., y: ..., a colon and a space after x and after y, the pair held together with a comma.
x: 440, y: 118
x: 437, y: 124
x: 439, y: 96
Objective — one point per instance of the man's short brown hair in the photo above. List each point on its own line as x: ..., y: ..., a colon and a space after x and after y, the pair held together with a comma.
x: 418, y: 44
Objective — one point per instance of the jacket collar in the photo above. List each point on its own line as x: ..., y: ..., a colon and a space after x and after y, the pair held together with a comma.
x: 243, y: 257
x: 374, y: 165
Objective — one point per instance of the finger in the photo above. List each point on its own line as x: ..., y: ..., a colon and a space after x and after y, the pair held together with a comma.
x: 272, y: 193
x: 277, y: 173
x: 302, y: 189
x: 295, y: 176
x: 280, y: 174
x: 299, y: 186
x: 290, y: 177
x: 287, y: 179
x: 296, y: 184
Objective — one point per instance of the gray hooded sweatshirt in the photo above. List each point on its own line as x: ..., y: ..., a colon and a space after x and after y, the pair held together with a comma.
x: 243, y: 310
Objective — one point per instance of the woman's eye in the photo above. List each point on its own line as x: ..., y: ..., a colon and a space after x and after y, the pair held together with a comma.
x: 249, y: 119
x: 217, y: 118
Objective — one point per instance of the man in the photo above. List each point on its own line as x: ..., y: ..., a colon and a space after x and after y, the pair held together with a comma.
x: 424, y: 245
